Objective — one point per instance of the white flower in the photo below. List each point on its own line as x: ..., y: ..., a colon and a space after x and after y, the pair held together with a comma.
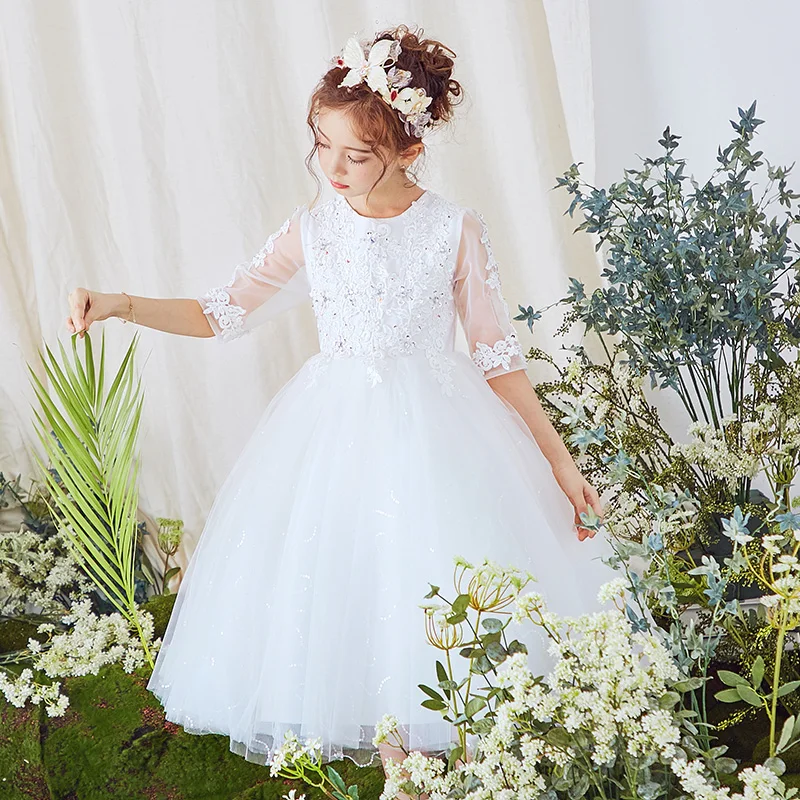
x: 412, y: 100
x: 613, y: 588
x: 286, y: 754
x: 385, y: 726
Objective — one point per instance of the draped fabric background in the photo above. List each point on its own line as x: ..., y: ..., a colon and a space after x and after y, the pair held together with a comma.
x: 149, y: 146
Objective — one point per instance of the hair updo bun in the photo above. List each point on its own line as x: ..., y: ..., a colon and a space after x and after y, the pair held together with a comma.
x: 431, y: 65
x: 375, y: 122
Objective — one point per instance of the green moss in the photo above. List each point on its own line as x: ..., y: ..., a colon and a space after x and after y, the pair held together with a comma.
x: 22, y: 775
x: 160, y: 606
x: 14, y: 634
x: 115, y: 742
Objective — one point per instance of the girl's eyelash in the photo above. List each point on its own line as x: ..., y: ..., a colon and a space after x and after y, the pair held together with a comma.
x: 351, y: 160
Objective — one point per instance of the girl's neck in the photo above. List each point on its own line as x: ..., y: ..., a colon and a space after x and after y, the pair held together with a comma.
x: 387, y: 201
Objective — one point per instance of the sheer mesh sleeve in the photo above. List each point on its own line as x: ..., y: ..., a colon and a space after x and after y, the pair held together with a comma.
x: 480, y: 303
x: 273, y: 281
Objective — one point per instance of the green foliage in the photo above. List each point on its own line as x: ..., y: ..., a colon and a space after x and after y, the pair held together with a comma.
x: 694, y: 275
x: 90, y: 441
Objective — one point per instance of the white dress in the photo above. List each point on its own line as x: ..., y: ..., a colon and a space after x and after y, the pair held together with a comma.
x: 383, y: 457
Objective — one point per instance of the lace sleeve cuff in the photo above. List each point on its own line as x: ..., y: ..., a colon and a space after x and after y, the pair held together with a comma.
x: 505, y: 353
x: 225, y: 318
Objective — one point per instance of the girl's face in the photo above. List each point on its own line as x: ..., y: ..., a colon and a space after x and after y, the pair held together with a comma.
x: 348, y: 163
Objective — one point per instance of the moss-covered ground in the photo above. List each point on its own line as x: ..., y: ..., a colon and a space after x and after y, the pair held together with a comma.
x: 114, y: 742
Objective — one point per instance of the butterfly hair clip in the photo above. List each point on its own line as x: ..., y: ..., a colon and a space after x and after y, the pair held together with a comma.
x: 368, y: 64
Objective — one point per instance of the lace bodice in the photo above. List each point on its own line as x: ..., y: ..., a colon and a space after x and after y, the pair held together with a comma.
x: 380, y: 288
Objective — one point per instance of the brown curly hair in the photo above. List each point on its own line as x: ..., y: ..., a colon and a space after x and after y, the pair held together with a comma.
x: 376, y: 123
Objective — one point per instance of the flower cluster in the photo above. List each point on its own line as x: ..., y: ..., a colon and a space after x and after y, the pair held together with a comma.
x: 293, y: 751
x: 92, y: 642
x: 35, y: 570
x: 610, y: 698
x: 24, y: 688
x: 711, y: 448
x: 367, y: 63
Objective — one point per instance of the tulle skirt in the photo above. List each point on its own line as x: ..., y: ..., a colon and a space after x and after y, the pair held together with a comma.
x: 299, y: 608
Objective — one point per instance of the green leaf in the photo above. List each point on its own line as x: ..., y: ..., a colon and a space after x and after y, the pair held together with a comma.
x: 481, y: 665
x: 749, y: 696
x: 474, y: 706
x: 786, y: 734
x: 336, y: 779
x: 434, y: 705
x: 441, y: 672
x: 787, y: 688
x: 496, y: 652
x: 492, y: 625
x: 731, y: 678
x: 460, y: 604
x: 690, y: 684
x: 775, y: 764
x: 728, y: 696
x: 453, y: 756
x: 757, y: 672
x: 168, y: 574
x: 668, y: 700
x: 482, y: 726
x: 431, y: 692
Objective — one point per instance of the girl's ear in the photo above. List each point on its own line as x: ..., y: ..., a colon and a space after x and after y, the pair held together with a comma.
x: 412, y: 153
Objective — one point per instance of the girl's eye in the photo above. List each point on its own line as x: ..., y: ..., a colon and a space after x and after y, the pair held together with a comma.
x: 351, y: 160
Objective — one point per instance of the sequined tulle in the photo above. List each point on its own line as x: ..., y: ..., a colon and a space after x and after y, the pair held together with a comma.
x: 299, y: 608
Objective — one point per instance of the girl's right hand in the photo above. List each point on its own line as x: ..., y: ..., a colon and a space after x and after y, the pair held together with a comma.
x: 87, y: 307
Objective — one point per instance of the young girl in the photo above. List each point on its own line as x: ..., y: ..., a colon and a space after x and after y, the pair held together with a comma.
x: 388, y: 453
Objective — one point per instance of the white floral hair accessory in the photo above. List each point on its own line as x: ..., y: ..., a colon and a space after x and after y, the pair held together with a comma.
x: 367, y: 63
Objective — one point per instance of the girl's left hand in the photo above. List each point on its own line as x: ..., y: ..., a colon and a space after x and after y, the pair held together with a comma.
x: 580, y: 493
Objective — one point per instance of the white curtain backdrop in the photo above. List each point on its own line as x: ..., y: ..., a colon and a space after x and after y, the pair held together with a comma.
x: 149, y: 146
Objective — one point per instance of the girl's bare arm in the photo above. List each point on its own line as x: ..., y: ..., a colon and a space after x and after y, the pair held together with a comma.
x: 517, y: 389
x: 183, y: 316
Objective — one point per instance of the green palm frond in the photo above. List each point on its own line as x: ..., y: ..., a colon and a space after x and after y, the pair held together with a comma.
x: 90, y: 442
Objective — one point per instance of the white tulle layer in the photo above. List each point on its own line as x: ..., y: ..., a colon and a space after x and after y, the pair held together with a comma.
x: 299, y: 609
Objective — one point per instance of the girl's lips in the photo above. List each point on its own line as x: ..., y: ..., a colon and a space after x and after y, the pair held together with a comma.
x: 339, y: 185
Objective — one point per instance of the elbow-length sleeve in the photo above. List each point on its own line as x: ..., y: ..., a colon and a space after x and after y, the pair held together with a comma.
x: 481, y: 307
x: 273, y: 281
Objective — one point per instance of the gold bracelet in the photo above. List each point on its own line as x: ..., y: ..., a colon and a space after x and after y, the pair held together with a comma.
x: 130, y: 309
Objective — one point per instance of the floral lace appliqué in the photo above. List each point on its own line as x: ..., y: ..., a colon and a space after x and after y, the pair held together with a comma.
x: 493, y: 272
x: 500, y: 354
x: 380, y: 294
x: 229, y: 316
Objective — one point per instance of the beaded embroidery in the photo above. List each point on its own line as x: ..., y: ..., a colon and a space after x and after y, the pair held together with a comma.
x: 385, y: 295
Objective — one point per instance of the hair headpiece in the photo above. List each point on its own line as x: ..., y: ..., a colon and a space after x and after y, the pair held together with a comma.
x: 367, y: 63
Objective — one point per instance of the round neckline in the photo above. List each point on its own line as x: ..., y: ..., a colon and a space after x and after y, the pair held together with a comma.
x: 413, y: 205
